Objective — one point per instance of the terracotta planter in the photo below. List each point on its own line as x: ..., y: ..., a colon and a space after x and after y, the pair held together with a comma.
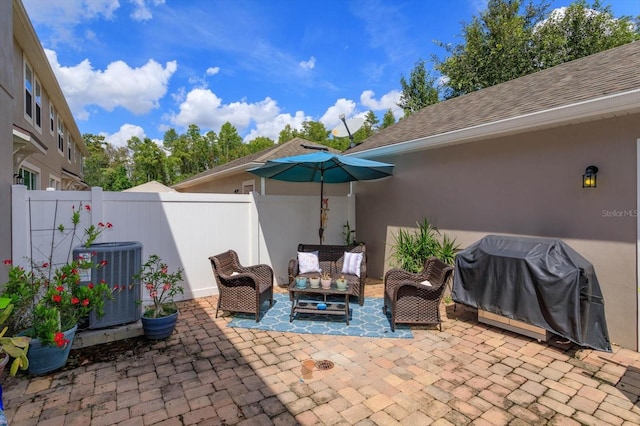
x: 326, y: 284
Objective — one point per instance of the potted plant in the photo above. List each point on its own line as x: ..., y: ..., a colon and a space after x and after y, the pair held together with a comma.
x: 341, y: 283
x: 49, y: 301
x: 314, y: 282
x: 325, y: 280
x: 159, y: 319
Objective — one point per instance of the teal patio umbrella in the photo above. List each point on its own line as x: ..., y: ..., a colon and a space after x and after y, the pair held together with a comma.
x: 323, y: 167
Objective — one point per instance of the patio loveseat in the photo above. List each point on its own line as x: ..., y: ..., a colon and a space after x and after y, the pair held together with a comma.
x: 331, y: 259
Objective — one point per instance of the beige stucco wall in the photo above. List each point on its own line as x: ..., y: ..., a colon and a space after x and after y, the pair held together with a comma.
x: 6, y: 138
x: 227, y: 185
x: 528, y: 184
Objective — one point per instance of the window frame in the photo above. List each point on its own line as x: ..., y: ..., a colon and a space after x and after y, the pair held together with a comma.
x: 27, y: 92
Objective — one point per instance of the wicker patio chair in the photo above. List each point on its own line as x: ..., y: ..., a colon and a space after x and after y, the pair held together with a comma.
x: 242, y: 288
x: 413, y: 302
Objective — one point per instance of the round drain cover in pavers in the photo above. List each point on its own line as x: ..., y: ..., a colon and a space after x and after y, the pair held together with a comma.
x: 324, y: 364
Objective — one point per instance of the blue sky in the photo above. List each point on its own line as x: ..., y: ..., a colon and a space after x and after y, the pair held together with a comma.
x: 139, y: 67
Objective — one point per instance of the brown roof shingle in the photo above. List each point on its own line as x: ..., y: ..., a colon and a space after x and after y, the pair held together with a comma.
x: 609, y: 72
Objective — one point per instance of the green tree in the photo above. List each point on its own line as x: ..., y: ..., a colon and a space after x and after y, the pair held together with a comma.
x: 581, y: 30
x: 509, y: 40
x: 420, y: 91
x: 149, y: 161
x: 314, y: 131
x: 388, y: 119
x: 230, y: 144
x: 369, y: 127
x: 497, y: 47
x: 259, y: 144
x: 106, y: 166
x: 287, y: 134
x: 97, y: 161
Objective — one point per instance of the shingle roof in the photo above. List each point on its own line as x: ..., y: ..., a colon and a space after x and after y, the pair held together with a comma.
x: 609, y: 72
x: 295, y: 146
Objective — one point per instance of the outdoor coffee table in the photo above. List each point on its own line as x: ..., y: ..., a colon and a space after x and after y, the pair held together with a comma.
x: 310, y: 306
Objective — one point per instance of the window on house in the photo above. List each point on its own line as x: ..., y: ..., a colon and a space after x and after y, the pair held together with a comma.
x: 52, y: 120
x: 60, y: 136
x: 69, y: 147
x: 248, y: 186
x: 38, y: 98
x: 30, y: 178
x: 28, y: 91
x: 54, y: 183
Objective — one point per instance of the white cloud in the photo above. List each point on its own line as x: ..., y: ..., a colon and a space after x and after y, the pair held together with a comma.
x: 272, y: 128
x: 141, y: 11
x: 308, y: 65
x: 388, y: 100
x: 213, y: 70
x: 135, y: 89
x: 205, y: 108
x: 331, y: 117
x: 69, y: 12
x: 126, y: 132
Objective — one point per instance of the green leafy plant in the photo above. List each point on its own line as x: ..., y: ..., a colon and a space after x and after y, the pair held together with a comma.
x: 49, y: 299
x: 412, y: 247
x: 16, y: 347
x: 348, y: 234
x: 161, y: 285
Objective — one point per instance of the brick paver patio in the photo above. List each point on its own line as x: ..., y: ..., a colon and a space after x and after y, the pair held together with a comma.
x: 209, y: 374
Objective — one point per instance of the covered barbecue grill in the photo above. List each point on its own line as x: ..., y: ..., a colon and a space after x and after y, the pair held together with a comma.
x: 543, y: 282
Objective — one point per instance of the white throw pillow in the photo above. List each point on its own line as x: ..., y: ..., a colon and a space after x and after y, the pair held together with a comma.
x: 308, y: 262
x: 352, y: 263
x: 426, y: 282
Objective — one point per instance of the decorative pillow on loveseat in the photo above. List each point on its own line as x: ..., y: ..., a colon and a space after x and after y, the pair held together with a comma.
x: 351, y: 264
x: 308, y: 262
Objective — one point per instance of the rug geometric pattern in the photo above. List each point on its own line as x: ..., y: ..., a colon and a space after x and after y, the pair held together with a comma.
x: 365, y: 321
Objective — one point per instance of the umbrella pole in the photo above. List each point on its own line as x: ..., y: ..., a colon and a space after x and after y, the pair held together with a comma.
x: 321, y: 229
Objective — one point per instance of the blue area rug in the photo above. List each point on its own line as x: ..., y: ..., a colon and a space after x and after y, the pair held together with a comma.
x: 365, y: 321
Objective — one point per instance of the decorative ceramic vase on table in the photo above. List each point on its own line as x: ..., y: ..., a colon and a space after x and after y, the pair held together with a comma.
x: 314, y: 282
x: 341, y: 284
x: 301, y: 282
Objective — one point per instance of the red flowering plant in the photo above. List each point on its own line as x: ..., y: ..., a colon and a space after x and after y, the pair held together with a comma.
x: 161, y: 285
x: 49, y: 299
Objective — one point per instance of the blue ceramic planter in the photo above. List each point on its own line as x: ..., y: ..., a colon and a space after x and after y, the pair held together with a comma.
x: 46, y: 358
x: 159, y: 328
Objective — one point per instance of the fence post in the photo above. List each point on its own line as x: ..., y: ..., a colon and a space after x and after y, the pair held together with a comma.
x: 20, y: 241
x: 97, y: 208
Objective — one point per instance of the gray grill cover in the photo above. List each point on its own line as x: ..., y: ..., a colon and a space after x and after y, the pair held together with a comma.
x: 542, y: 282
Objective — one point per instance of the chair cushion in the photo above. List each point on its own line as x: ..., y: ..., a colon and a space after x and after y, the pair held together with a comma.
x: 308, y: 262
x: 351, y: 264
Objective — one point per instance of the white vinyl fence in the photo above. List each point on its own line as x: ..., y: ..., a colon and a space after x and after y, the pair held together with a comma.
x: 184, y: 229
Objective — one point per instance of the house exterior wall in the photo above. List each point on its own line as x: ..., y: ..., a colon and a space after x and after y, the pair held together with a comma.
x: 228, y: 185
x: 6, y: 113
x: 49, y: 165
x: 530, y: 185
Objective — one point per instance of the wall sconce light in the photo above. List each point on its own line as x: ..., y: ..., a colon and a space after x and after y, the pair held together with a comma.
x: 18, y: 179
x: 590, y: 177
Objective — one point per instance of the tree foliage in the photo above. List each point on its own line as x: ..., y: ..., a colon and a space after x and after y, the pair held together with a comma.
x: 420, y: 91
x: 510, y: 39
x: 388, y: 119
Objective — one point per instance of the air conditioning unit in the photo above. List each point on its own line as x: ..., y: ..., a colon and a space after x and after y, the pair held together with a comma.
x: 123, y: 261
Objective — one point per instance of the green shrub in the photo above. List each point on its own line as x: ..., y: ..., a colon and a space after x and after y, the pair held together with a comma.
x: 411, y: 248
